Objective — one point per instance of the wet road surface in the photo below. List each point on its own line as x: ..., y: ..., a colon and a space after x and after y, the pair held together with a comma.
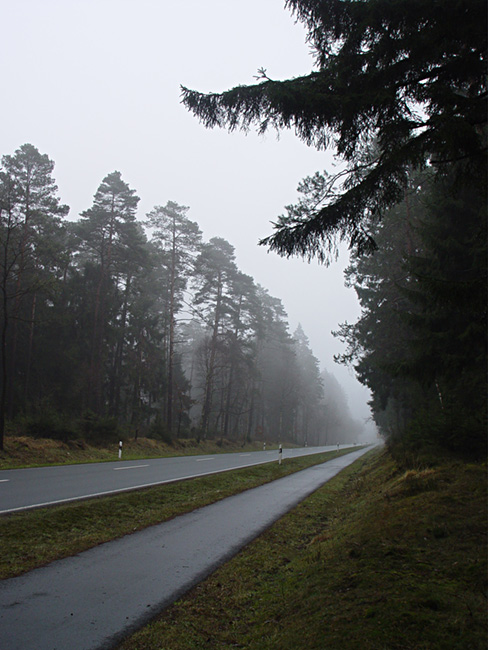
x: 22, y: 489
x: 93, y: 600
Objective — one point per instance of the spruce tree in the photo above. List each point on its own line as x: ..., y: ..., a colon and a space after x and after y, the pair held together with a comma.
x: 409, y: 76
x: 447, y: 353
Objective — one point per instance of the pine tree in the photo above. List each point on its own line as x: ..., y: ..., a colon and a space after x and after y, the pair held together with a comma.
x: 277, y: 372
x: 240, y: 351
x: 215, y: 270
x: 180, y: 239
x: 310, y: 390
x: 106, y: 232
x: 31, y: 251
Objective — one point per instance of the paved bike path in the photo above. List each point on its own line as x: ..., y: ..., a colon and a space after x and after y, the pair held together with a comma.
x: 93, y: 600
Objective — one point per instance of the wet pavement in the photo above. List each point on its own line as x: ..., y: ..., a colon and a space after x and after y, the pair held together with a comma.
x: 34, y: 487
x: 95, y: 599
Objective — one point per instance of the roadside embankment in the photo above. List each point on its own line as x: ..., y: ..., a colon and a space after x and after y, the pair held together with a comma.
x: 376, y: 558
x: 24, y: 451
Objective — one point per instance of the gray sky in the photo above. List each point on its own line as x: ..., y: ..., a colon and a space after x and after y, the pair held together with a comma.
x: 95, y: 84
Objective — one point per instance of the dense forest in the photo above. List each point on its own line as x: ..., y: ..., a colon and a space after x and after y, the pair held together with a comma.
x: 399, y: 92
x: 111, y: 322
x: 420, y: 344
x: 113, y: 325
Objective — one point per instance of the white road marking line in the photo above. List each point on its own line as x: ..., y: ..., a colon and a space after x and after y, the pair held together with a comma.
x: 4, y: 480
x: 130, y: 467
x: 244, y: 455
x: 199, y: 460
x: 127, y: 489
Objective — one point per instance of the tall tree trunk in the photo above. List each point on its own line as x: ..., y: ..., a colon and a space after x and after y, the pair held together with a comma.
x: 95, y: 387
x: 17, y: 304
x: 5, y: 324
x: 30, y: 348
x: 228, y: 399
x: 115, y: 383
x: 136, y: 394
x: 233, y: 353
x: 171, y: 352
x: 207, y: 404
x: 3, y: 394
x: 251, y: 412
x: 96, y: 366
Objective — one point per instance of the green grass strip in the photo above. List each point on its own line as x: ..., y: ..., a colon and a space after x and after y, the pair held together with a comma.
x: 33, y: 538
x: 377, y: 559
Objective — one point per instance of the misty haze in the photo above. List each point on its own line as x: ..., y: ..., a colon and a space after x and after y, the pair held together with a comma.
x: 243, y: 324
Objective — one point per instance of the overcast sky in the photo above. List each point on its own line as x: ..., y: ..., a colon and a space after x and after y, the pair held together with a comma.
x: 95, y: 84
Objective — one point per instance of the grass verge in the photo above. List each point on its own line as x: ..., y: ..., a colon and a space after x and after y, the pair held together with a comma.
x: 24, y: 451
x: 377, y: 559
x: 33, y: 538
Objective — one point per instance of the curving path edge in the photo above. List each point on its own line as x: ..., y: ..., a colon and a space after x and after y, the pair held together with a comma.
x: 93, y: 600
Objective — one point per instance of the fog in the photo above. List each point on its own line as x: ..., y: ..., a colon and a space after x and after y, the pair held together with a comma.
x: 96, y: 86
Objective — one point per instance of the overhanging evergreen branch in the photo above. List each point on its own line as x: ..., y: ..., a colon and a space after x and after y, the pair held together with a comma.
x: 406, y: 76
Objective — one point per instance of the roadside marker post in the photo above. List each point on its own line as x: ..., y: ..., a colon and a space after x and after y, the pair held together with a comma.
x: 120, y: 449
x: 280, y: 455
x: 264, y: 446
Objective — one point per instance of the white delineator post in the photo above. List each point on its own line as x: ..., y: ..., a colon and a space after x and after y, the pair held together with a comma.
x: 120, y: 449
x: 280, y: 455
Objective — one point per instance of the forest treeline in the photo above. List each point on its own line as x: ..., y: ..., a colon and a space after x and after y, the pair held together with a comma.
x: 420, y: 344
x: 398, y: 90
x: 113, y: 325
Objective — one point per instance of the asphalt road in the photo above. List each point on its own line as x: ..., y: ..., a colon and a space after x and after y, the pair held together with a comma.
x: 21, y: 489
x: 95, y: 599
